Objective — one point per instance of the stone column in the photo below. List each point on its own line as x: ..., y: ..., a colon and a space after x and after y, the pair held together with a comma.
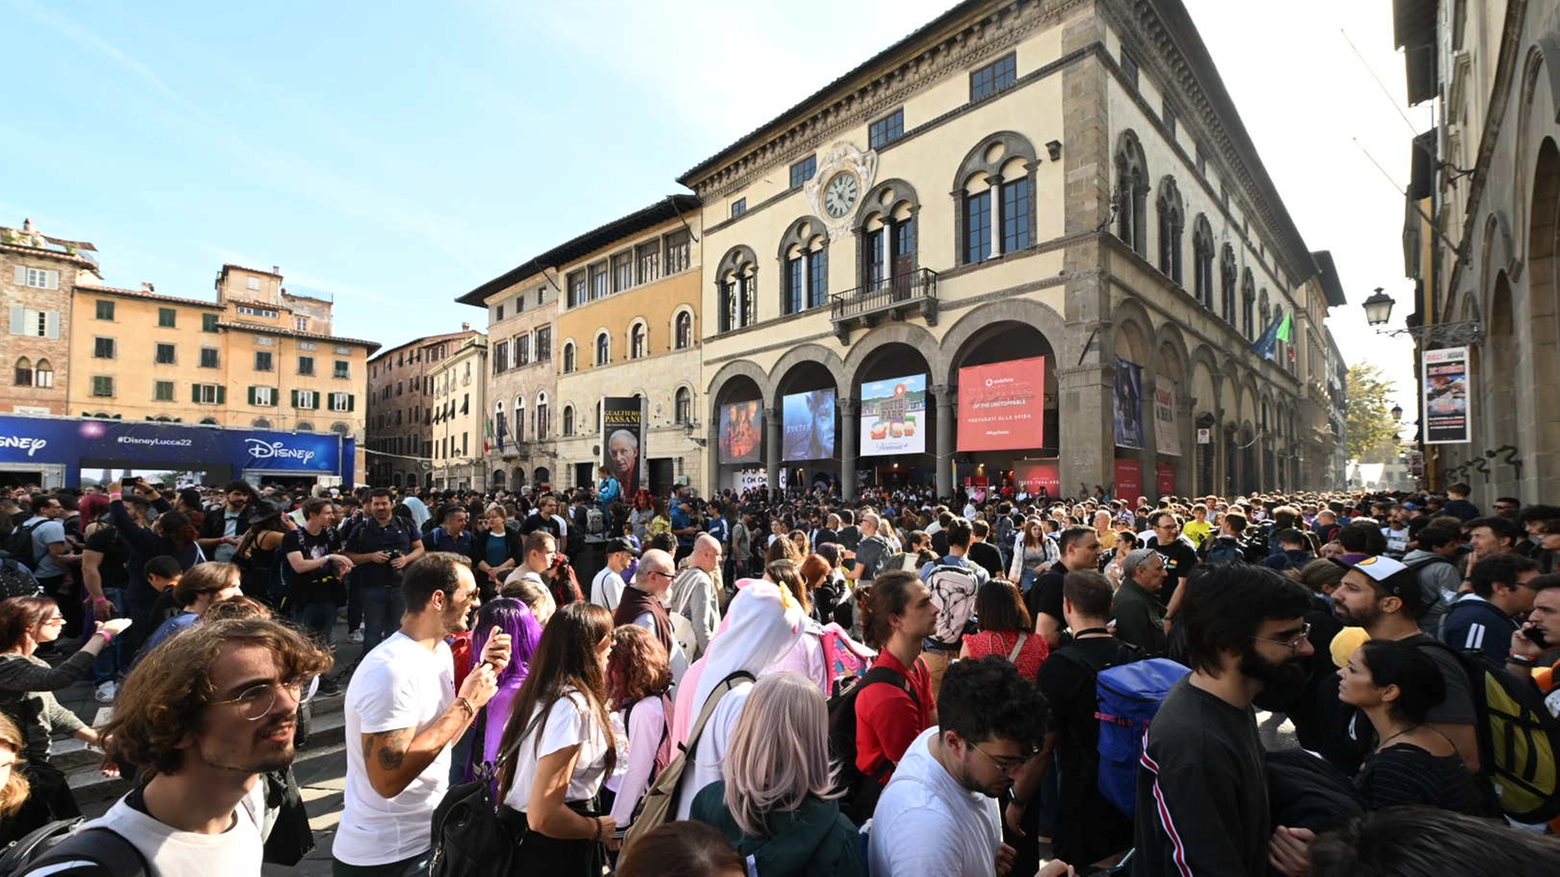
x: 1186, y: 467
x: 1087, y: 435
x: 850, y: 410
x: 712, y: 454
x: 772, y: 445
x: 995, y: 182
x: 942, y: 454
x: 1150, y: 452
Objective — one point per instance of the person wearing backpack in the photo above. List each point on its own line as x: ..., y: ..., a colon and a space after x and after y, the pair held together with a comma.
x: 1436, y: 572
x: 899, y: 616
x: 773, y: 803
x: 639, y: 675
x: 1091, y: 829
x: 954, y: 581
x: 1202, y: 800
x: 40, y: 545
x: 1383, y: 596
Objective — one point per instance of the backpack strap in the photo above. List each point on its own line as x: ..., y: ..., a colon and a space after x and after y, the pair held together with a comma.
x: 880, y: 673
x: 1023, y: 636
x: 99, y: 846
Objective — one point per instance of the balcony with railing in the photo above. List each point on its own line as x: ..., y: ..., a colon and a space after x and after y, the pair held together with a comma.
x: 891, y: 298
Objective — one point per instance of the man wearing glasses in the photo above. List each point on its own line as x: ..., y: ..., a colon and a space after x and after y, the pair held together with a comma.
x: 1202, y: 800
x: 209, y: 712
x: 938, y: 814
x: 644, y: 604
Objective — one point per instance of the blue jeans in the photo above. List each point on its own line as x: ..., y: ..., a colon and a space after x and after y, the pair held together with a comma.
x: 383, y: 607
x: 106, y: 665
x: 411, y: 867
x: 318, y: 617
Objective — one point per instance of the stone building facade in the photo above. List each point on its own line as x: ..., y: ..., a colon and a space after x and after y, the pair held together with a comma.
x: 459, y: 403
x: 1485, y: 250
x: 37, y: 274
x: 1109, y: 214
x: 401, y: 408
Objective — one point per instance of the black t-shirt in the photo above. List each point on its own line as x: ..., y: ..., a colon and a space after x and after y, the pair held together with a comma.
x: 316, y: 585
x: 535, y: 522
x: 988, y: 556
x: 1179, y: 557
x: 112, y: 568
x: 370, y: 537
x: 850, y: 537
x: 1092, y: 827
x: 1045, y: 595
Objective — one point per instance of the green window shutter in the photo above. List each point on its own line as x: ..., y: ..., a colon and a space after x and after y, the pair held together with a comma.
x: 221, y: 394
x: 351, y: 402
x: 251, y: 395
x: 194, y: 392
x: 295, y: 398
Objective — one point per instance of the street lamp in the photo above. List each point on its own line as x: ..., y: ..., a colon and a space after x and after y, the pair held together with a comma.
x: 1378, y: 310
x: 1397, y: 413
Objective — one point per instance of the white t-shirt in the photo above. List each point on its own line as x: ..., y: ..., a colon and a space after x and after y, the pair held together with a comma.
x: 711, y: 753
x: 636, y: 755
x: 926, y: 823
x: 570, y: 721
x: 400, y: 684
x: 606, y: 590
x: 46, y: 532
x: 173, y: 853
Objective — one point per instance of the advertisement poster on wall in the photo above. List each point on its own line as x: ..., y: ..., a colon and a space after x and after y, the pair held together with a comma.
x: 893, y: 416
x: 1167, y: 433
x: 623, y: 442
x: 1446, y: 396
x: 751, y: 479
x: 1164, y: 479
x: 1037, y: 476
x: 741, y: 432
x: 1129, y: 404
x: 1129, y: 480
x: 808, y: 421
x: 1002, y: 405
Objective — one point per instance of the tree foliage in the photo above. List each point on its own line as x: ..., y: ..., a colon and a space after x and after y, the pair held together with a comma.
x: 1369, y: 402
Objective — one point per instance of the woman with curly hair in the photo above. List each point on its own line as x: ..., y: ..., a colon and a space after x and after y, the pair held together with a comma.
x: 639, y: 673
x: 15, y: 791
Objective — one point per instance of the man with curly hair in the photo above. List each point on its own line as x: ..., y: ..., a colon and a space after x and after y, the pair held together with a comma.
x: 204, y: 715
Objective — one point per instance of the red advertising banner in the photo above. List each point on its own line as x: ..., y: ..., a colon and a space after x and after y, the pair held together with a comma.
x: 1129, y: 479
x: 1164, y: 478
x: 1002, y: 406
x: 1031, y: 475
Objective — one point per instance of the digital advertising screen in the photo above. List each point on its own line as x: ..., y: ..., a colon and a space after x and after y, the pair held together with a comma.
x: 1002, y: 405
x: 808, y: 422
x: 893, y: 416
x: 741, y: 432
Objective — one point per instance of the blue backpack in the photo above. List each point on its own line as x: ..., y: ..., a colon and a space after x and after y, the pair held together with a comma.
x: 1129, y: 695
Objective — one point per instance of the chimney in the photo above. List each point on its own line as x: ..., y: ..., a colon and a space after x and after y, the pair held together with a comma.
x: 27, y: 226
x: 465, y: 327
x: 147, y: 287
x: 276, y: 269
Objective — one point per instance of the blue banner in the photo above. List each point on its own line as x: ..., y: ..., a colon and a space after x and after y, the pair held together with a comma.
x: 31, y: 441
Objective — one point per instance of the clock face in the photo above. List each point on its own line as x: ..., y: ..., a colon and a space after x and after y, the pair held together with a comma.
x: 840, y: 195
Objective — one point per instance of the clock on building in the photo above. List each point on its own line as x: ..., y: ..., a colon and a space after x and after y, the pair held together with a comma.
x: 839, y: 196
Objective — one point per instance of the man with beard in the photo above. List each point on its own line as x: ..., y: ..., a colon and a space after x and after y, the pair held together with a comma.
x: 222, y: 527
x: 1383, y: 596
x: 206, y: 713
x: 402, y: 714
x: 939, y: 813
x: 1202, y: 801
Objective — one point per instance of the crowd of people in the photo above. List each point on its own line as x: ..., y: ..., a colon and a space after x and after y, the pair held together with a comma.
x: 791, y: 684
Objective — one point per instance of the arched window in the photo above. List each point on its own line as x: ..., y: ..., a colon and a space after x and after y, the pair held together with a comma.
x: 682, y: 406
x: 736, y: 280
x: 541, y: 417
x: 304, y: 426
x: 340, y: 428
x: 568, y: 358
x: 568, y: 421
x: 209, y: 421
x: 638, y: 341
x: 1262, y: 309
x: 261, y: 423
x: 1202, y: 262
x: 804, y: 266
x: 603, y: 348
x: 519, y: 425
x: 43, y: 374
x: 1227, y: 283
x: 886, y: 235
x: 996, y: 191
x: 1172, y: 219
x: 24, y: 372
x: 682, y: 330
x: 1131, y: 195
x: 1248, y: 304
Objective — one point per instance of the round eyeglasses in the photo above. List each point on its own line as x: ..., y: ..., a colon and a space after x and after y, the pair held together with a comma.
x: 255, y: 702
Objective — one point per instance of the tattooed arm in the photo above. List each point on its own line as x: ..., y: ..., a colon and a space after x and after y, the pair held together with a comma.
x: 394, y: 758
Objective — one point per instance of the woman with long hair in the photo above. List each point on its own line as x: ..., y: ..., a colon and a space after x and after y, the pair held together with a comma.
x: 641, y: 515
x: 775, y: 803
x: 1033, y: 551
x: 27, y: 686
x: 1005, y: 630
x: 660, y: 521
x: 257, y: 552
x: 558, y: 748
x: 805, y: 657
x: 514, y: 618
x: 639, y: 674
x: 15, y: 790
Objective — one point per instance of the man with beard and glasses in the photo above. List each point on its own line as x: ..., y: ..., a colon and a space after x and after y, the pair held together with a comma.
x: 1384, y: 597
x: 939, y: 813
x: 402, y: 715
x: 206, y: 714
x: 1202, y: 799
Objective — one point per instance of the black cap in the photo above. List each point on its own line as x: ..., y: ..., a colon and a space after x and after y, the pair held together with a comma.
x: 620, y: 544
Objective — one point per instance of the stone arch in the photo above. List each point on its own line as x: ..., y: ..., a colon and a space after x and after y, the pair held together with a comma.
x: 801, y: 233
x: 892, y: 197
x: 1170, y: 349
x: 1172, y: 222
x: 1202, y: 261
x: 735, y: 368
x: 1131, y: 333
x: 808, y: 352
x: 644, y: 347
x: 1019, y: 310
x: 1131, y: 192
x: 893, y: 333
x: 676, y: 332
x: 736, y: 258
x: 1532, y: 66
x: 986, y: 160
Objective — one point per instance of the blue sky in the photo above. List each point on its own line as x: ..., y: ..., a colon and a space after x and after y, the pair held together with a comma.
x: 398, y: 154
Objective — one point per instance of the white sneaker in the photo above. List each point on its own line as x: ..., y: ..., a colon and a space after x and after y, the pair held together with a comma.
x: 106, y: 691
x: 355, y: 636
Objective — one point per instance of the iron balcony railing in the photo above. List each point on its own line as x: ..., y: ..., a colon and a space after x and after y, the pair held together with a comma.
x: 913, y: 288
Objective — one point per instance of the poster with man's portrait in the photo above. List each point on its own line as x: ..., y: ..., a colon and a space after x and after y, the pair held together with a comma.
x: 622, y: 442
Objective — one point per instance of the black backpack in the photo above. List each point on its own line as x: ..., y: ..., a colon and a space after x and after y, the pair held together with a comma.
x: 860, y: 792
x: 19, y: 545
x: 16, y: 581
x: 64, y: 841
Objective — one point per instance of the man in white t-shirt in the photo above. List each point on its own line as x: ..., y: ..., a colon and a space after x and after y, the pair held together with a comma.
x: 203, y: 810
x: 402, y: 714
x: 606, y: 589
x: 938, y: 814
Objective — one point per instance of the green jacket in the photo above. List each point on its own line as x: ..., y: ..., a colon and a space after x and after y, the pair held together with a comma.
x: 813, y: 839
x: 1140, y: 619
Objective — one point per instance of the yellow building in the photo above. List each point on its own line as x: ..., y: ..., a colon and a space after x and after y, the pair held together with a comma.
x: 459, y: 400
x: 259, y: 356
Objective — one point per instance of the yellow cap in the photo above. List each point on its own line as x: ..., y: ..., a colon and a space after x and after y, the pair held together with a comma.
x: 1344, y: 644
